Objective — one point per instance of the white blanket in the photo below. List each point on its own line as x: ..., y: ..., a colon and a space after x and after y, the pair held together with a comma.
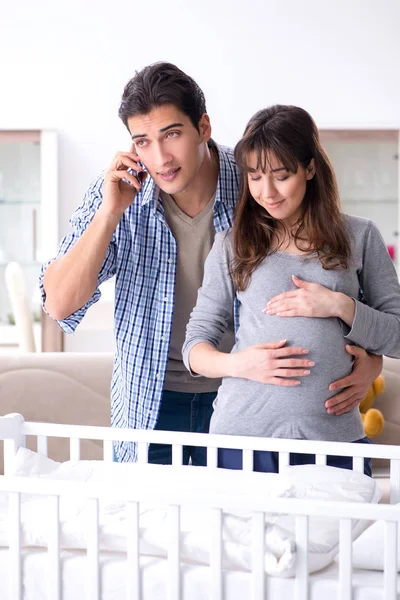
x: 312, y: 482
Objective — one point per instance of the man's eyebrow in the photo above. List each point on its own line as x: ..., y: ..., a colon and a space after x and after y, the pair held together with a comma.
x: 170, y: 127
x: 163, y: 130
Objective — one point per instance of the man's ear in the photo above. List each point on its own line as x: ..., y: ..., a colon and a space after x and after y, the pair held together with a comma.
x: 310, y: 169
x: 205, y: 128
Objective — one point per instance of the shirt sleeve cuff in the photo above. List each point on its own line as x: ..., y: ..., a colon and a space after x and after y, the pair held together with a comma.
x: 358, y: 333
x: 185, y: 354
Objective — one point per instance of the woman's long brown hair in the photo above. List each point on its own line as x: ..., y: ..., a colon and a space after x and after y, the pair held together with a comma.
x: 289, y: 134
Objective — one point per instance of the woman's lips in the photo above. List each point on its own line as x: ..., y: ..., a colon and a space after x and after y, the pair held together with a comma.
x: 274, y: 204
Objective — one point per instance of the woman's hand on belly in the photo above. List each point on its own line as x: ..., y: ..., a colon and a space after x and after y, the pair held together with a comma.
x: 311, y: 300
x: 271, y: 363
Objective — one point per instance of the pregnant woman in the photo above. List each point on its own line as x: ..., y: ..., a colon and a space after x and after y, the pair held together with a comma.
x: 292, y: 266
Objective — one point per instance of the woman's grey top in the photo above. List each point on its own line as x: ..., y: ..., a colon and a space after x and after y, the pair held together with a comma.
x: 245, y: 407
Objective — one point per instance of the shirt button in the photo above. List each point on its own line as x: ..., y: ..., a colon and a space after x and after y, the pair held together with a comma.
x: 162, y: 338
x: 166, y: 299
x: 158, y: 376
x: 170, y: 261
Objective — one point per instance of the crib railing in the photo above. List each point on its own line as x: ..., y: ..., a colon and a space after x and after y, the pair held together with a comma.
x: 13, y: 430
x: 217, y: 505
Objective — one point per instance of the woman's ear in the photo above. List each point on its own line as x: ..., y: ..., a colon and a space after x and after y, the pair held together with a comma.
x: 310, y: 169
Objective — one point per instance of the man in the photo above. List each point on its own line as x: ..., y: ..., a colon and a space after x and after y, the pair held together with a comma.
x: 150, y: 220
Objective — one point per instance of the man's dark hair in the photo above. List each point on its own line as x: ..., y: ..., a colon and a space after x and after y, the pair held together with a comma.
x: 158, y: 84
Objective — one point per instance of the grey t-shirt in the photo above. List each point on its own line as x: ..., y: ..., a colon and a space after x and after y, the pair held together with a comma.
x: 194, y: 237
x: 245, y: 407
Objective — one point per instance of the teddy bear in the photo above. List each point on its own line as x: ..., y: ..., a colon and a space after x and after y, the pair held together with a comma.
x: 372, y: 418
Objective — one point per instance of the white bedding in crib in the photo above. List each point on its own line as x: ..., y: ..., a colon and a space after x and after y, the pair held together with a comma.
x: 307, y: 482
x: 195, y: 580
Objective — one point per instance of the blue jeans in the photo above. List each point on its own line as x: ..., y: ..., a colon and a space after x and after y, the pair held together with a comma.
x: 267, y: 462
x: 181, y: 411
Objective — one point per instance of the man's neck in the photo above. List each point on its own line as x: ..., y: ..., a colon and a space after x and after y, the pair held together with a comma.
x: 196, y: 197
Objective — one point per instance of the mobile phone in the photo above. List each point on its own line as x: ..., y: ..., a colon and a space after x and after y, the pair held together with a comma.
x: 139, y: 175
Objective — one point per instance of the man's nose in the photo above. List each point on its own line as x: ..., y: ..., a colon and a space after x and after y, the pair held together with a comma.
x: 162, y: 156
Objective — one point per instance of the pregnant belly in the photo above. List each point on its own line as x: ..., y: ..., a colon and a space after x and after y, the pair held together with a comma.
x: 324, y: 340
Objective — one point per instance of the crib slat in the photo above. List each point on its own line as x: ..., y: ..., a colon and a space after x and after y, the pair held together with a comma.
x: 108, y: 451
x: 174, y: 588
x: 15, y: 571
x: 345, y: 560
x: 358, y: 464
x: 390, y: 564
x: 216, y: 554
x: 394, y: 481
x: 177, y: 451
x: 74, y: 449
x: 143, y: 454
x: 284, y: 460
x: 42, y: 445
x: 54, y: 549
x: 258, y: 557
x: 248, y: 460
x: 301, y: 584
x: 93, y: 582
x: 133, y: 555
x: 320, y: 459
x: 212, y: 457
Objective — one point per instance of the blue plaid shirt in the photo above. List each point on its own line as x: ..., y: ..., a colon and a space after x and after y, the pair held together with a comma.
x: 142, y: 255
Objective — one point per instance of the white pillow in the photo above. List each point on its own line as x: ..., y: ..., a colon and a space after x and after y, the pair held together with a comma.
x: 318, y: 482
x: 369, y: 548
x: 28, y: 463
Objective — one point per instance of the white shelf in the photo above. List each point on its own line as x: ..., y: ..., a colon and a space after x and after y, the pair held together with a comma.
x: 28, y: 208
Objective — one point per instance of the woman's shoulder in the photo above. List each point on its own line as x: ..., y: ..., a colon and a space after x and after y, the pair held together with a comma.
x: 364, y: 233
x: 224, y: 239
x: 223, y: 246
x: 358, y: 227
x: 356, y: 223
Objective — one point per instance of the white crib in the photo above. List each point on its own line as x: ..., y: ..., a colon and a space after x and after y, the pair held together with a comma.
x: 136, y: 574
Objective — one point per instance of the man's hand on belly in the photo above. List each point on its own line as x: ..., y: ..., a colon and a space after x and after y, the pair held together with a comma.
x: 366, y: 368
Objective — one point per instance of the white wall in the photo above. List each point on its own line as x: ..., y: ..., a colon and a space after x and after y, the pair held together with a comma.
x: 63, y: 65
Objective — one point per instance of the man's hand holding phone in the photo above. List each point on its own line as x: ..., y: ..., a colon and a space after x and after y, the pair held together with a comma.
x: 122, y: 180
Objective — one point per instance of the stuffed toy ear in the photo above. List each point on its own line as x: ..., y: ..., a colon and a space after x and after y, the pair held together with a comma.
x: 372, y: 418
x: 378, y: 385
